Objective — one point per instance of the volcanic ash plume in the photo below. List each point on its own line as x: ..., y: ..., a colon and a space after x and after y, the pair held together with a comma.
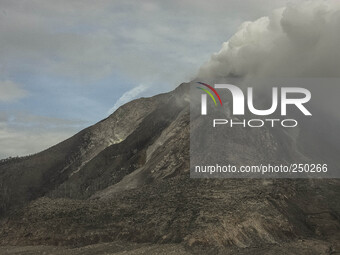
x: 298, y: 40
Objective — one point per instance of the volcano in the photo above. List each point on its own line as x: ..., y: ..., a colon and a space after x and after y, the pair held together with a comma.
x: 123, y: 185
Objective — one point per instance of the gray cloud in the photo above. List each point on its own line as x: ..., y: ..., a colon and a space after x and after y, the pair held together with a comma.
x: 146, y: 40
x: 11, y: 91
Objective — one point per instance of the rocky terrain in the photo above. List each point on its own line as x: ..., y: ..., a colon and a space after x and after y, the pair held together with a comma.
x: 122, y: 186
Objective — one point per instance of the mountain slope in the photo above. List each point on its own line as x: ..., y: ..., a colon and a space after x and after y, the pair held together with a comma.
x: 131, y: 184
x: 24, y: 179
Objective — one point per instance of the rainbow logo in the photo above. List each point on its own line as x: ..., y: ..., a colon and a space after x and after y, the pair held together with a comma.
x: 209, y: 93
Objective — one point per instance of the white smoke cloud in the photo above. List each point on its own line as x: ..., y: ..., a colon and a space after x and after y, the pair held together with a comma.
x: 299, y: 40
x: 128, y: 96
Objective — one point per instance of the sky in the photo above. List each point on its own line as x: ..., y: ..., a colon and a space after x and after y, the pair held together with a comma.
x: 67, y: 64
